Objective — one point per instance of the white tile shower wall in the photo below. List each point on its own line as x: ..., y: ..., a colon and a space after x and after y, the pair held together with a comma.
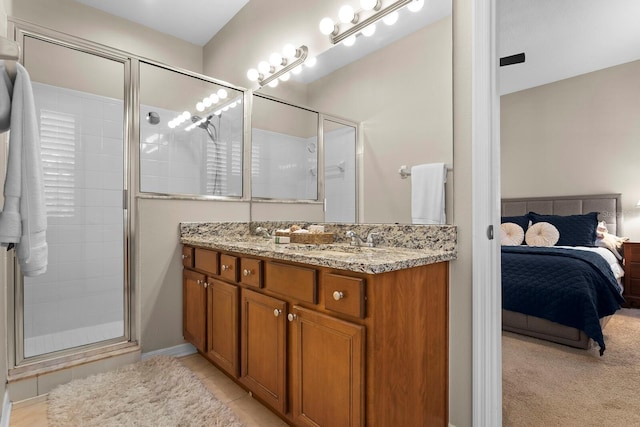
x: 283, y: 166
x: 340, y: 175
x: 172, y: 159
x: 82, y: 151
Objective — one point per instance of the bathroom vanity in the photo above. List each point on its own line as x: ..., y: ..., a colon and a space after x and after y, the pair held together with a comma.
x: 325, y: 335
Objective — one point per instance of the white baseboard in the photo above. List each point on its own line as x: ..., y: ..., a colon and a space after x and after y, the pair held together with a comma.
x: 175, y: 351
x: 6, y: 410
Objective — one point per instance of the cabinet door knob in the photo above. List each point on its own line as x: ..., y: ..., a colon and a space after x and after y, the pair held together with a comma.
x: 338, y: 295
x: 277, y: 312
x: 206, y: 285
x: 292, y: 317
x: 246, y: 272
x: 198, y: 281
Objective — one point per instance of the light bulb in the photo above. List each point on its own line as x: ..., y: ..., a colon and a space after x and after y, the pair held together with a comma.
x: 275, y: 59
x: 285, y: 77
x: 368, y: 4
x: 207, y: 102
x: 273, y: 83
x: 186, y: 115
x: 233, y: 104
x: 391, y: 18
x: 264, y: 67
x: 214, y: 98
x: 327, y: 26
x: 346, y: 14
x: 369, y: 30
x: 415, y: 5
x: 289, y: 51
x: 172, y: 124
x: 217, y: 113
x: 225, y: 108
x: 253, y: 74
x: 222, y: 94
x: 349, y: 41
x: 200, y: 106
x: 310, y: 62
x: 297, y: 70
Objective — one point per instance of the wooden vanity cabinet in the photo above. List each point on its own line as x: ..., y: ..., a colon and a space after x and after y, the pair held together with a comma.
x: 194, y: 308
x: 223, y: 326
x: 327, y: 347
x: 263, y: 347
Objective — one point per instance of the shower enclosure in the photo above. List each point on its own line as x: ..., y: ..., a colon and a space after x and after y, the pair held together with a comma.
x: 82, y: 299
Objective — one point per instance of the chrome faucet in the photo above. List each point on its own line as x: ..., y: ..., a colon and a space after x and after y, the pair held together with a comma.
x: 261, y: 231
x: 359, y: 241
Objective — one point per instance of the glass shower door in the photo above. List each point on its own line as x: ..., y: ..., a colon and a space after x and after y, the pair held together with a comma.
x: 81, y: 300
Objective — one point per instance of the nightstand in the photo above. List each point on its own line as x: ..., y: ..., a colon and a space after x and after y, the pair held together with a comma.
x: 631, y: 274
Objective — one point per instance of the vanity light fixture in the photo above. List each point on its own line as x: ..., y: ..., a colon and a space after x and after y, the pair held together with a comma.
x: 267, y: 72
x: 347, y: 15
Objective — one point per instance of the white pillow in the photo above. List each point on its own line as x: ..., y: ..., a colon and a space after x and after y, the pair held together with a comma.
x: 542, y: 234
x: 511, y: 234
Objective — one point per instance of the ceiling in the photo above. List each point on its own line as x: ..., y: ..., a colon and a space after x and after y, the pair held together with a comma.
x: 560, y: 38
x: 195, y: 21
x: 564, y: 38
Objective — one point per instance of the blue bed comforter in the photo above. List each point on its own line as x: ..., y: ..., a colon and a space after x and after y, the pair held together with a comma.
x: 571, y: 287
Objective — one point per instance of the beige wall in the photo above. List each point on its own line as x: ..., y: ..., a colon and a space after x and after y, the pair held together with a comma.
x: 576, y: 136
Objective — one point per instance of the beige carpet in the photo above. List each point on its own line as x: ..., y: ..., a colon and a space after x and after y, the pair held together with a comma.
x: 546, y: 384
x: 158, y: 392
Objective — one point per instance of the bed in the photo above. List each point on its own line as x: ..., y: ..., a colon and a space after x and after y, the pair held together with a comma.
x: 518, y: 320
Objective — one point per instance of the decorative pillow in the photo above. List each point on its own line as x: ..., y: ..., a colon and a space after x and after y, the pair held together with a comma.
x: 575, y: 230
x: 511, y: 234
x: 542, y: 234
x: 522, y: 221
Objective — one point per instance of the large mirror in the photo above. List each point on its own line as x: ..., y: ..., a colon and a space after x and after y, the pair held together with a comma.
x: 191, y: 135
x: 397, y: 85
x: 284, y: 151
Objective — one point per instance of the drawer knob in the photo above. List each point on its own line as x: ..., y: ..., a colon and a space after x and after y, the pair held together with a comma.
x: 277, y: 312
x: 246, y: 272
x: 338, y: 295
x: 185, y: 256
x: 292, y: 317
x: 225, y: 267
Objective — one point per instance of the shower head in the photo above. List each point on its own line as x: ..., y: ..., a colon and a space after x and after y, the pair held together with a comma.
x: 204, y: 123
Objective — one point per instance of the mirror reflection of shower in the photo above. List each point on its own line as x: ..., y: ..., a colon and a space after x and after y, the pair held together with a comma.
x: 212, y: 131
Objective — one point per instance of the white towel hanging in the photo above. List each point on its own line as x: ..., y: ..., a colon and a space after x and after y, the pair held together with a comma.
x: 427, y: 193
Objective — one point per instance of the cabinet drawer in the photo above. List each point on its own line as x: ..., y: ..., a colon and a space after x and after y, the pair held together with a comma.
x: 251, y: 272
x: 229, y: 267
x: 206, y: 260
x: 293, y: 281
x: 187, y: 256
x: 344, y: 294
x: 633, y: 270
x: 631, y: 251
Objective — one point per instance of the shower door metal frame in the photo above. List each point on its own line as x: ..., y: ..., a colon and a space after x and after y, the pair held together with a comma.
x: 16, y: 360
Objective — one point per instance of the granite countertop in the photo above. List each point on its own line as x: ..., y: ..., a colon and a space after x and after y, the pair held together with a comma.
x: 340, y: 255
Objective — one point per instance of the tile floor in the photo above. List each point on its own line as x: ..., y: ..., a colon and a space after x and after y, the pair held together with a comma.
x: 33, y: 413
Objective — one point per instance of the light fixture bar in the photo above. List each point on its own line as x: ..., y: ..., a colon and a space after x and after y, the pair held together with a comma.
x: 290, y: 66
x: 335, y: 39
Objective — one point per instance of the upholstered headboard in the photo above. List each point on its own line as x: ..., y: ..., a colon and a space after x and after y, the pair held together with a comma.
x: 608, y: 207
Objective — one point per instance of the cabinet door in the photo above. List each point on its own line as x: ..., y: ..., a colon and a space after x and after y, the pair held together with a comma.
x: 222, y: 325
x: 263, y: 361
x: 194, y: 308
x: 327, y: 369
